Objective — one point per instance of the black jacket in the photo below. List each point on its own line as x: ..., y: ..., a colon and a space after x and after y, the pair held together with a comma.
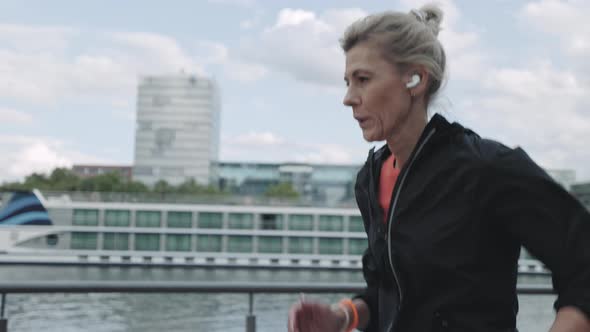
x: 461, y: 208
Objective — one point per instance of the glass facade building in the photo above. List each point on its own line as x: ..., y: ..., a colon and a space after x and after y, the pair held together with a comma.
x: 320, y: 183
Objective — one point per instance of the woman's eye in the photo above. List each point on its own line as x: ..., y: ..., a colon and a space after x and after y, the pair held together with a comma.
x: 363, y: 79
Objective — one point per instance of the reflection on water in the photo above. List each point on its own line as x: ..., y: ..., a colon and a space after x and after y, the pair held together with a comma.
x: 187, y: 312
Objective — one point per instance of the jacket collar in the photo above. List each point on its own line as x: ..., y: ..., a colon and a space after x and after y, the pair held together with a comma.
x: 438, y: 122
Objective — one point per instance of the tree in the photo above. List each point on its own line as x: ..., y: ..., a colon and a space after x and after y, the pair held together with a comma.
x: 282, y: 190
x: 162, y: 186
x: 63, y: 179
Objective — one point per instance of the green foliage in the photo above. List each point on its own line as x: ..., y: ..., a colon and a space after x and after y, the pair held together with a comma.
x: 282, y: 190
x: 62, y: 179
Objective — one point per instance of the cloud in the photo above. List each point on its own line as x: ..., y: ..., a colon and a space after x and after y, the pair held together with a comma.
x: 269, y: 147
x: 234, y: 68
x: 304, y: 45
x: 82, y: 66
x: 257, y: 139
x: 11, y: 116
x: 538, y: 80
x: 24, y: 155
x: 566, y: 20
x: 539, y: 107
x: 46, y: 39
x: 242, y: 3
x: 159, y: 53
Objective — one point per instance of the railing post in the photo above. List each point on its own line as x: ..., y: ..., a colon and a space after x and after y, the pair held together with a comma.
x: 3, y: 320
x: 251, y: 318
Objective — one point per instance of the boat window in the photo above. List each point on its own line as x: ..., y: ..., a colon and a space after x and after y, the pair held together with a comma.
x: 329, y: 246
x: 51, y: 239
x: 179, y: 219
x: 115, y: 241
x: 210, y: 220
x: 270, y: 244
x: 148, y: 219
x: 271, y: 221
x: 301, y: 222
x: 209, y: 243
x: 300, y: 245
x: 83, y: 217
x: 83, y: 240
x: 178, y: 242
x: 331, y: 223
x: 355, y: 224
x: 117, y: 218
x: 357, y: 246
x: 239, y: 243
x: 150, y: 242
x: 241, y: 221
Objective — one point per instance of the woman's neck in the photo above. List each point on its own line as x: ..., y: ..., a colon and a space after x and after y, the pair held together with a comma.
x: 402, y: 143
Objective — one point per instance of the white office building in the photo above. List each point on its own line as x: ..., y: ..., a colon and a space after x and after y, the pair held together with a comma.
x: 177, y: 132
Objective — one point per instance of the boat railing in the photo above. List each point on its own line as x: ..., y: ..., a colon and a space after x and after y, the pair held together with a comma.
x: 181, y: 198
x: 249, y: 289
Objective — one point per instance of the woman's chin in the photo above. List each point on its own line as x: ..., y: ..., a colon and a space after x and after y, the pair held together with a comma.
x: 371, y: 136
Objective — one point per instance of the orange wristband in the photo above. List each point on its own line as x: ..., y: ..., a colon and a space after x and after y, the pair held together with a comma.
x: 355, y: 315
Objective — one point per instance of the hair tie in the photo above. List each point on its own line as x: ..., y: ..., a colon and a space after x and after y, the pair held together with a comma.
x: 419, y: 15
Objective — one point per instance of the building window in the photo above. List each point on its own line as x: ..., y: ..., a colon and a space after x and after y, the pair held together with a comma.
x: 143, y: 170
x: 331, y: 224
x: 330, y: 246
x: 115, y: 241
x: 239, y: 243
x: 271, y: 221
x: 117, y: 218
x: 210, y: 220
x: 355, y: 224
x: 179, y: 219
x: 147, y: 242
x: 270, y: 244
x: 300, y: 245
x: 144, y: 125
x: 241, y: 221
x: 300, y: 222
x: 209, y: 243
x: 160, y: 100
x: 83, y: 240
x: 85, y: 218
x: 178, y: 242
x: 148, y: 219
x: 357, y: 246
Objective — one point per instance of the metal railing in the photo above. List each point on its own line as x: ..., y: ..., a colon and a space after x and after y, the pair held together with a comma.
x: 184, y: 198
x: 194, y: 287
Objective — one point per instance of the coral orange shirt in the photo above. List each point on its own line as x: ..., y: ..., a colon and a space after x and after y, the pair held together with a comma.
x: 387, y: 181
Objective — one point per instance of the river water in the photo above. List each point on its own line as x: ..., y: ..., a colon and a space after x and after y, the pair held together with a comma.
x: 187, y: 312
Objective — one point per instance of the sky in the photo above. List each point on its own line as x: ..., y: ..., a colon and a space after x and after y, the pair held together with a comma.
x: 517, y: 73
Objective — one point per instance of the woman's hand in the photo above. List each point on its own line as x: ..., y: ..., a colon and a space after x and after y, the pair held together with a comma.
x: 309, y: 316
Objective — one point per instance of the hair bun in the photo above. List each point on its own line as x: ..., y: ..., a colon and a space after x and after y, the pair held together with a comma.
x: 431, y: 15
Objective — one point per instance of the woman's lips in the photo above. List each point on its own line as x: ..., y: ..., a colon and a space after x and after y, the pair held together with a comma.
x: 361, y: 120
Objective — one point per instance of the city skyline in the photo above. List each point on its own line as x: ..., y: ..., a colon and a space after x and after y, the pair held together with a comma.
x: 517, y: 73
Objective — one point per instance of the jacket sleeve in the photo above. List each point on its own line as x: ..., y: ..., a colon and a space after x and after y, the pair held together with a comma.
x: 547, y: 220
x: 371, y: 293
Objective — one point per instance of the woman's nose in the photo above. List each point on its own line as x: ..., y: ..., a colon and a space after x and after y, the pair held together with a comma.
x: 350, y: 99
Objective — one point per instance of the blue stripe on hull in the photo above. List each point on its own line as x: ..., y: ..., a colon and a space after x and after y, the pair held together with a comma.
x: 40, y: 218
x: 24, y: 208
x: 13, y: 206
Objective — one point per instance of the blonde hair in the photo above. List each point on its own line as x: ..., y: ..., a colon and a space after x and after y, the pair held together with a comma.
x: 404, y: 39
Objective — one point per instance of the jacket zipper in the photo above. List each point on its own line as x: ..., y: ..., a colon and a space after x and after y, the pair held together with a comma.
x: 393, y: 206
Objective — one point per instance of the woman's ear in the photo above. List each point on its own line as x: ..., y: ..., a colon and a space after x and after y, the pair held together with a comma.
x: 417, y: 81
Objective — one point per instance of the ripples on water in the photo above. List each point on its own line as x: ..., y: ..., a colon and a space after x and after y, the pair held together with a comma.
x: 186, y: 312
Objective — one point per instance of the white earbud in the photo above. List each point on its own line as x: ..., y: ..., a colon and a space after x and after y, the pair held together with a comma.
x: 413, y: 82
